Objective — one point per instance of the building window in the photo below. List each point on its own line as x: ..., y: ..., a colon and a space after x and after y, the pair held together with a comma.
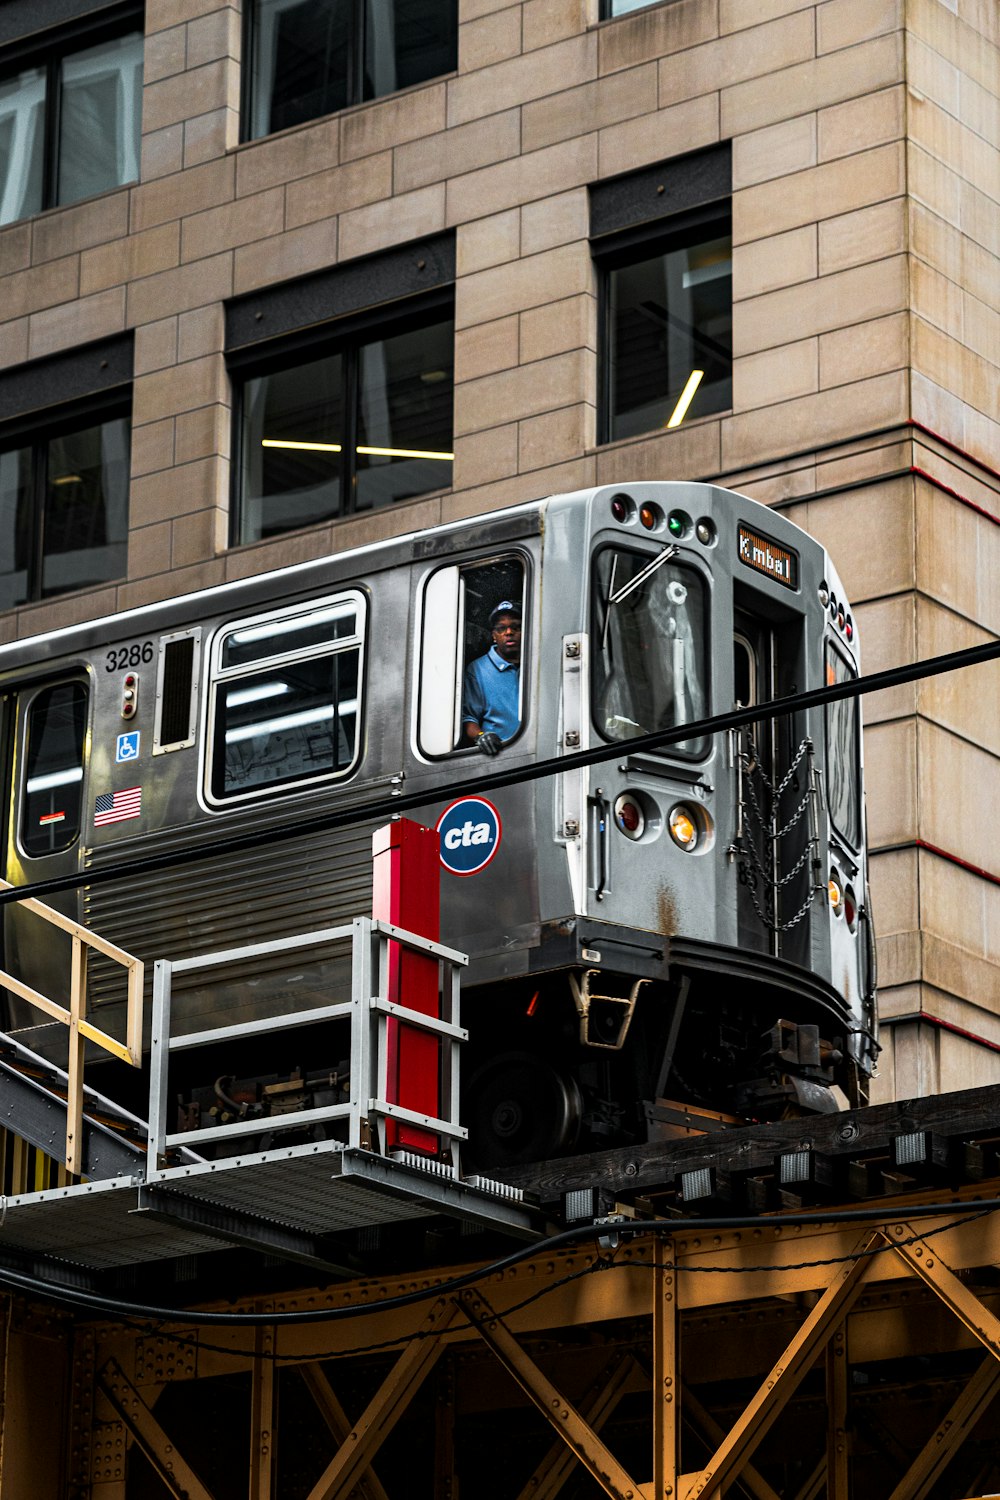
x: 664, y: 259
x: 70, y: 120
x: 311, y: 57
x: 64, y: 472
x: 348, y: 407
x: 610, y: 8
x: 64, y: 511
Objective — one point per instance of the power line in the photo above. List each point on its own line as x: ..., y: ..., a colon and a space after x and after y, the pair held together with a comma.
x: 384, y: 808
x: 117, y: 1307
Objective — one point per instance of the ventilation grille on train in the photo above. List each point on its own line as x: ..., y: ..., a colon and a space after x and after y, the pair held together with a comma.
x: 176, y: 692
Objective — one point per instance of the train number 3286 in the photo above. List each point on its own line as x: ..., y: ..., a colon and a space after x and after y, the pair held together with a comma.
x: 133, y: 655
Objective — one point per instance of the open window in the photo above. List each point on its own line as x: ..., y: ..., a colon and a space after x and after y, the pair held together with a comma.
x: 462, y: 663
x: 285, y: 699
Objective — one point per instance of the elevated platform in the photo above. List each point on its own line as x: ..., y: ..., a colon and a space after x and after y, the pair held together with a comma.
x: 283, y: 1202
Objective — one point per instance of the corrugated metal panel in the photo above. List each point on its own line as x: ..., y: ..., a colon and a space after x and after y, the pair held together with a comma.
x: 317, y: 880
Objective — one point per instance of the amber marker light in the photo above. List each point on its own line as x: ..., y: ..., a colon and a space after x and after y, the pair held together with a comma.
x: 683, y: 828
x: 835, y: 894
x: 686, y: 397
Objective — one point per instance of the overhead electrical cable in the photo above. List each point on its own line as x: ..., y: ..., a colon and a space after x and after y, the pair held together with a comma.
x: 394, y: 806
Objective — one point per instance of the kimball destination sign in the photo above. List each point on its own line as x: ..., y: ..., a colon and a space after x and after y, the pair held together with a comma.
x: 767, y: 556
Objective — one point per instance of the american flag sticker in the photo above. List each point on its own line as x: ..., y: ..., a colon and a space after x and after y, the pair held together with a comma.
x: 117, y: 807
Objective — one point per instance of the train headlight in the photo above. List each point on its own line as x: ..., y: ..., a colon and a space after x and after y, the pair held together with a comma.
x: 683, y: 827
x: 836, y: 895
x: 629, y: 817
x: 705, y: 532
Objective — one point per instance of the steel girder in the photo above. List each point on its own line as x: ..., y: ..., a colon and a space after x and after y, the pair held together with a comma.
x: 651, y: 1283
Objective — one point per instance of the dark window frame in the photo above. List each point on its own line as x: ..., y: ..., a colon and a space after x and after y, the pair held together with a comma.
x: 355, y: 70
x: 64, y: 30
x: 335, y: 311
x: 645, y: 213
x: 47, y: 399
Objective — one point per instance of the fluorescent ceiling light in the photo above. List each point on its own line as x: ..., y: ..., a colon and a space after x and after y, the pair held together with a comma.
x: 300, y: 447
x: 298, y: 622
x: 53, y: 779
x: 686, y: 397
x: 290, y: 721
x: 405, y: 453
x: 239, y: 696
x: 371, y: 452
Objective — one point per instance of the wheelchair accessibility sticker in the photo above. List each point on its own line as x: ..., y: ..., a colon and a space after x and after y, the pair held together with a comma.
x: 470, y: 832
x: 128, y: 746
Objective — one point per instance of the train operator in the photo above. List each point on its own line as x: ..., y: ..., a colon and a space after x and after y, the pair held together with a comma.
x: 491, y: 697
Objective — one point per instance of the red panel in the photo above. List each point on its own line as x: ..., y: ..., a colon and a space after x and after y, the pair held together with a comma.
x: 407, y: 892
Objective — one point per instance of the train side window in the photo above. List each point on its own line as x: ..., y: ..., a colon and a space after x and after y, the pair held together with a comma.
x: 286, y: 699
x: 53, y: 785
x: 843, y: 753
x: 457, y: 641
x: 649, y: 647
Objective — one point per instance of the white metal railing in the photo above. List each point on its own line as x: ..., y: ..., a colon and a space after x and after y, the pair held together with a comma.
x: 74, y: 1016
x: 369, y: 1011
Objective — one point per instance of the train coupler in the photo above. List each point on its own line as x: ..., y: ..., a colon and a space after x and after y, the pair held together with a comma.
x: 604, y: 1018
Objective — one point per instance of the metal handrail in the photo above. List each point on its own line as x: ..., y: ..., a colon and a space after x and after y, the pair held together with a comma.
x: 75, y: 1015
x: 369, y: 1011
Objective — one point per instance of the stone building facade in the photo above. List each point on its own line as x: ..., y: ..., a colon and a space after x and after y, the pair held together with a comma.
x: 853, y: 146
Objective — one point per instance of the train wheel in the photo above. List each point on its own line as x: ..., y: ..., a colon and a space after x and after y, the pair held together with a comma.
x: 519, y: 1108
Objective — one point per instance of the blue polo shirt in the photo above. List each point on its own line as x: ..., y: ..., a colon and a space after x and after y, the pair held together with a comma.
x: 491, y: 695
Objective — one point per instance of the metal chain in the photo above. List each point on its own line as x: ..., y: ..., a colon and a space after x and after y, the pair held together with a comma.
x: 752, y: 864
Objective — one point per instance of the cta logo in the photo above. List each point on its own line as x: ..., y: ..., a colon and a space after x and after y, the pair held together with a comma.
x: 470, y: 832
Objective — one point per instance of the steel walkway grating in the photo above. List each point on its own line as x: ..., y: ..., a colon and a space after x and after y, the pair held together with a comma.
x: 268, y: 1199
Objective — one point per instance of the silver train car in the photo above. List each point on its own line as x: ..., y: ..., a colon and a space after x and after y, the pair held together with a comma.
x: 684, y: 924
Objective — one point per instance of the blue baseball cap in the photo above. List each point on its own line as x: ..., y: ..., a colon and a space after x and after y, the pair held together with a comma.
x: 505, y: 607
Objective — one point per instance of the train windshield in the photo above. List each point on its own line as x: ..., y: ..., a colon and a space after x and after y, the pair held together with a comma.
x: 842, y: 760
x: 649, y: 647
x: 286, y: 699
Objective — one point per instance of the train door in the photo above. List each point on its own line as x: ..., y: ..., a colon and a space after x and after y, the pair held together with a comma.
x: 773, y: 787
x: 44, y: 740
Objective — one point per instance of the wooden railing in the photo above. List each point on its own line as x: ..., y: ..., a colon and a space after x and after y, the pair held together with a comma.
x: 75, y: 1016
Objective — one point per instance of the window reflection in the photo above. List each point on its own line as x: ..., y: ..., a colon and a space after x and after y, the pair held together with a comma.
x: 85, y: 513
x: 91, y: 136
x: 649, y: 649
x: 64, y: 512
x: 100, y: 118
x: 363, y: 427
x: 311, y: 57
x: 53, y: 787
x: 669, y: 332
x: 842, y: 753
x: 286, y: 699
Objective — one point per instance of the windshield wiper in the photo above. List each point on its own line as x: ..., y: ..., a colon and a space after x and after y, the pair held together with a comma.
x: 633, y: 583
